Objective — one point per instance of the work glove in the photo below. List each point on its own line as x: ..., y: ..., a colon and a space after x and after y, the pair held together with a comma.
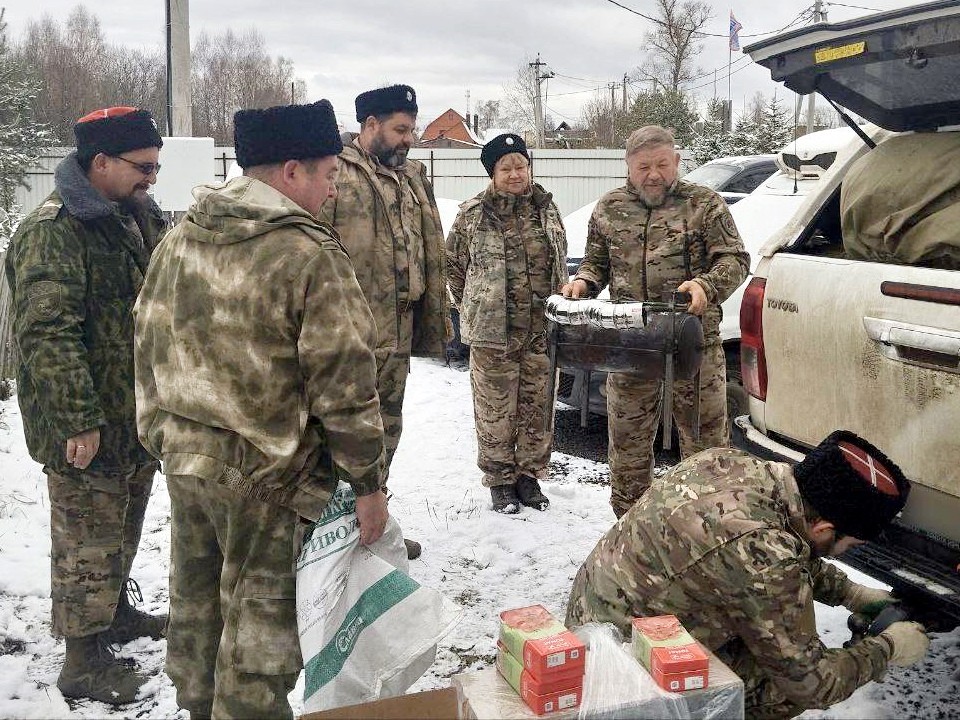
x: 908, y: 641
x: 867, y: 601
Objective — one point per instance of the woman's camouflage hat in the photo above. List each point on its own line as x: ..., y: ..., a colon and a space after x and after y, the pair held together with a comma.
x: 851, y: 484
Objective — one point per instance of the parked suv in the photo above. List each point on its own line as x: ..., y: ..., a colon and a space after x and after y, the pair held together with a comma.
x: 851, y: 320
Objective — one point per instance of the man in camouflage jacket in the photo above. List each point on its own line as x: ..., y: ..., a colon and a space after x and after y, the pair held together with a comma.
x: 74, y: 267
x: 733, y: 547
x: 387, y: 218
x: 656, y: 234
x: 506, y: 253
x: 256, y: 386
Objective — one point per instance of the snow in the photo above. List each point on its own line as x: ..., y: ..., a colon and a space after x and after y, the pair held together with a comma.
x: 484, y: 561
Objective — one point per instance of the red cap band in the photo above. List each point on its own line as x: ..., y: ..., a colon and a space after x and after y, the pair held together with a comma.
x: 869, y: 468
x: 103, y: 113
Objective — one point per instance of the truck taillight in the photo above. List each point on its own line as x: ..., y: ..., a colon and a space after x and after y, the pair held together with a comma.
x: 753, y: 360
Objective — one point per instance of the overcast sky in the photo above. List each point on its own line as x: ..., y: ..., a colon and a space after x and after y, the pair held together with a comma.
x: 445, y: 48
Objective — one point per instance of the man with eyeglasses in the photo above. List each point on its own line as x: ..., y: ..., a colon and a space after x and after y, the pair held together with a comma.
x: 75, y: 266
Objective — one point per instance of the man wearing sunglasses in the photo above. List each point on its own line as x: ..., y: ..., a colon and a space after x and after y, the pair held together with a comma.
x: 75, y: 266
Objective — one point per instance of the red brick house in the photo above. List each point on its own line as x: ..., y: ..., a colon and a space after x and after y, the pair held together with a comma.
x: 450, y: 130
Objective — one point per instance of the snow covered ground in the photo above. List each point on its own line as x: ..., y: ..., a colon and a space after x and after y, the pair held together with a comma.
x: 484, y: 561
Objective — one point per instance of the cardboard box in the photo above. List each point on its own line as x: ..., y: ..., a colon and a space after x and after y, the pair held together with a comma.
x: 669, y: 653
x: 560, y: 692
x: 541, y: 642
x: 440, y: 704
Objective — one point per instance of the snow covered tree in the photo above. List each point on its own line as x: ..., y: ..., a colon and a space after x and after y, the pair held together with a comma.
x: 20, y: 137
x: 711, y: 141
x: 775, y: 127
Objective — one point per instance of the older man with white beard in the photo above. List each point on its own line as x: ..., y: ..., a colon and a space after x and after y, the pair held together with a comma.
x: 654, y: 234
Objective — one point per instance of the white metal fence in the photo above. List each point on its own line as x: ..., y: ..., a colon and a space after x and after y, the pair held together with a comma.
x: 575, y: 177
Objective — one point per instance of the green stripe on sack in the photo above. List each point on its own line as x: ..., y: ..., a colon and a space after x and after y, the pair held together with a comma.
x: 388, y: 591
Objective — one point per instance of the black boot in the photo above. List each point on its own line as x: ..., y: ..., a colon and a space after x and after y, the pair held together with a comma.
x: 91, y: 670
x: 130, y: 623
x: 530, y: 494
x: 413, y: 549
x: 505, y: 499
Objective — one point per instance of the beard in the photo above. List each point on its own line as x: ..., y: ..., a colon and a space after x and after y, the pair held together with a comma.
x: 653, y: 195
x: 392, y: 157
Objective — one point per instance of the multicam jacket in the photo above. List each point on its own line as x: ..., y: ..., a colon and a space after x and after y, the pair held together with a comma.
x: 640, y: 251
x: 75, y: 266
x: 397, y: 265
x: 254, y: 352
x: 720, y: 541
x: 479, y: 260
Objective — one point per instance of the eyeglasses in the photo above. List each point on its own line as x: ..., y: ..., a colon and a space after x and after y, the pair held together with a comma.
x: 145, y: 168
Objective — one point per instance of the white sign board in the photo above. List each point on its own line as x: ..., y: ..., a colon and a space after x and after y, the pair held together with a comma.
x: 186, y: 162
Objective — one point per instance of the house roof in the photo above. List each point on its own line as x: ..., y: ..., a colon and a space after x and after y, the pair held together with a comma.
x: 450, y: 125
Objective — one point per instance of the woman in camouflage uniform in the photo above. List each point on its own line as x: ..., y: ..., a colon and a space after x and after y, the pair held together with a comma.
x: 506, y: 253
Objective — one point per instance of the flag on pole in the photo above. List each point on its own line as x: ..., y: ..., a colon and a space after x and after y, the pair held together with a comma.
x: 735, y: 28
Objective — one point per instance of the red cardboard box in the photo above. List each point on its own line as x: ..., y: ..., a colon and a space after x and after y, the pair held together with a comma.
x: 560, y: 692
x: 543, y: 644
x: 668, y: 652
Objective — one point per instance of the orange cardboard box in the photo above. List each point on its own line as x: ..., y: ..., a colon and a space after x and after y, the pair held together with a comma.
x: 543, y: 644
x: 668, y: 652
x: 560, y: 692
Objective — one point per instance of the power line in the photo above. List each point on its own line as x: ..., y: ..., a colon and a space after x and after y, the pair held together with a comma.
x: 699, y: 33
x: 855, y: 7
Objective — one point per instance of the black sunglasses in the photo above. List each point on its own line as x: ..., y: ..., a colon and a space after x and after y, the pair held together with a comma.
x: 145, y: 168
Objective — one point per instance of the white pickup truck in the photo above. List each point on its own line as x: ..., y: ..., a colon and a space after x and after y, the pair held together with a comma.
x: 831, y: 341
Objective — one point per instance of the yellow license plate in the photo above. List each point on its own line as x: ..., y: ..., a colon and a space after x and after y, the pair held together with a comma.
x: 837, y: 53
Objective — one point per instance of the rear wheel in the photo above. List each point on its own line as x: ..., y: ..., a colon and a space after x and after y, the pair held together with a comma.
x: 738, y: 401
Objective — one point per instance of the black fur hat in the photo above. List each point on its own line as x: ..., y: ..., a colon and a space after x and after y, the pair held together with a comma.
x: 851, y: 484
x: 386, y: 100
x: 498, y: 147
x: 115, y: 130
x: 285, y: 132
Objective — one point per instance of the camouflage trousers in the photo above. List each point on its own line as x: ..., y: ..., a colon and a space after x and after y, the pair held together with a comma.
x: 510, y: 405
x: 393, y: 367
x: 633, y: 418
x: 233, y: 650
x: 763, y: 700
x: 95, y: 524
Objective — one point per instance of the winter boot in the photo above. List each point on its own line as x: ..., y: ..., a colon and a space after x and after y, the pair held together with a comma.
x: 130, y: 623
x: 413, y: 549
x: 505, y: 499
x: 91, y: 670
x: 530, y: 494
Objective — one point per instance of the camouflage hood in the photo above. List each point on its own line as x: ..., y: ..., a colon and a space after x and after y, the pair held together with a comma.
x: 240, y: 210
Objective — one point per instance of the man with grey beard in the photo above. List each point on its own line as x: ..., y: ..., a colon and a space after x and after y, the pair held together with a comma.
x: 658, y: 233
x: 387, y: 218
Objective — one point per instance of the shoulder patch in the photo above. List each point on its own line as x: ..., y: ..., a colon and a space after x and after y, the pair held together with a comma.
x: 44, y: 300
x: 729, y: 227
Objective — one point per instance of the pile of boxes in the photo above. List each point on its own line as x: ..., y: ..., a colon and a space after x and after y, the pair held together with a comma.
x: 542, y: 660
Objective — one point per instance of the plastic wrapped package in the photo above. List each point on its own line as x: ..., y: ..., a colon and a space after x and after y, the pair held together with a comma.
x: 615, y: 686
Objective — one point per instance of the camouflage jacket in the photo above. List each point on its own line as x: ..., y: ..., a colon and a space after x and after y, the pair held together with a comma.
x: 75, y: 266
x: 640, y: 251
x: 720, y: 541
x: 253, y: 352
x: 364, y: 214
x: 477, y: 260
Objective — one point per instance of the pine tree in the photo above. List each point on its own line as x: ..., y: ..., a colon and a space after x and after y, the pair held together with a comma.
x: 21, y: 139
x: 774, y: 129
x: 712, y: 141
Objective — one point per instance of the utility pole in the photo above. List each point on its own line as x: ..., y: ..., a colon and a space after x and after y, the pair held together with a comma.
x: 613, y: 109
x: 819, y: 15
x: 179, y: 108
x: 624, y: 93
x: 537, y: 101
